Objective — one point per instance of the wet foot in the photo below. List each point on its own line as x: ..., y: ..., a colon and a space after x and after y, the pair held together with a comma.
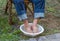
x: 28, y: 29
x: 35, y: 29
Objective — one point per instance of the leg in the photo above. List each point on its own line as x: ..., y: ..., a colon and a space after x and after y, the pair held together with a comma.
x: 34, y: 26
x: 38, y: 12
x: 21, y: 12
x: 27, y: 27
x: 35, y: 21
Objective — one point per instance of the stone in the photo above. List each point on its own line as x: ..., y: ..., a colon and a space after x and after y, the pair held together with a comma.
x: 22, y: 40
x: 55, y: 40
x: 58, y: 36
x: 51, y: 36
x: 43, y: 38
x: 54, y: 37
x: 32, y: 39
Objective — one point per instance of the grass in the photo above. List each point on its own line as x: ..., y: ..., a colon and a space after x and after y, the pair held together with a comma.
x: 11, y: 33
x: 7, y: 32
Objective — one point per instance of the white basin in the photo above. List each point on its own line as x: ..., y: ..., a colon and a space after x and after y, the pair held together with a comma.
x: 40, y: 29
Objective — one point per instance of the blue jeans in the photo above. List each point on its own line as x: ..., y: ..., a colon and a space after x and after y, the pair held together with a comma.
x: 39, y: 6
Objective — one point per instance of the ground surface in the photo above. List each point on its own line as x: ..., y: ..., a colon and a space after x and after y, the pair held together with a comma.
x: 54, y: 37
x: 51, y: 22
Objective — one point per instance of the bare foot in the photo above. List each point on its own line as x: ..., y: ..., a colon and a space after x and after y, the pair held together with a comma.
x: 34, y: 26
x: 28, y: 29
x: 35, y: 29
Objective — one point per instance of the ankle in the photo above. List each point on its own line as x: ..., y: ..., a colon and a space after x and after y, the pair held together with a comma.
x: 35, y: 22
x: 25, y: 23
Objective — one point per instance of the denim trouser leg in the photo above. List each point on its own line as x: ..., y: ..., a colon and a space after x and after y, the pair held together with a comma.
x: 20, y: 8
x: 39, y: 7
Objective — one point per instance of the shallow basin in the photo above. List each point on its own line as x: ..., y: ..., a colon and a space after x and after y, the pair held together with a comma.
x: 40, y: 29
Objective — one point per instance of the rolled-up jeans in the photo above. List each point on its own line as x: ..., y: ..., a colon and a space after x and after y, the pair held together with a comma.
x: 39, y: 6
